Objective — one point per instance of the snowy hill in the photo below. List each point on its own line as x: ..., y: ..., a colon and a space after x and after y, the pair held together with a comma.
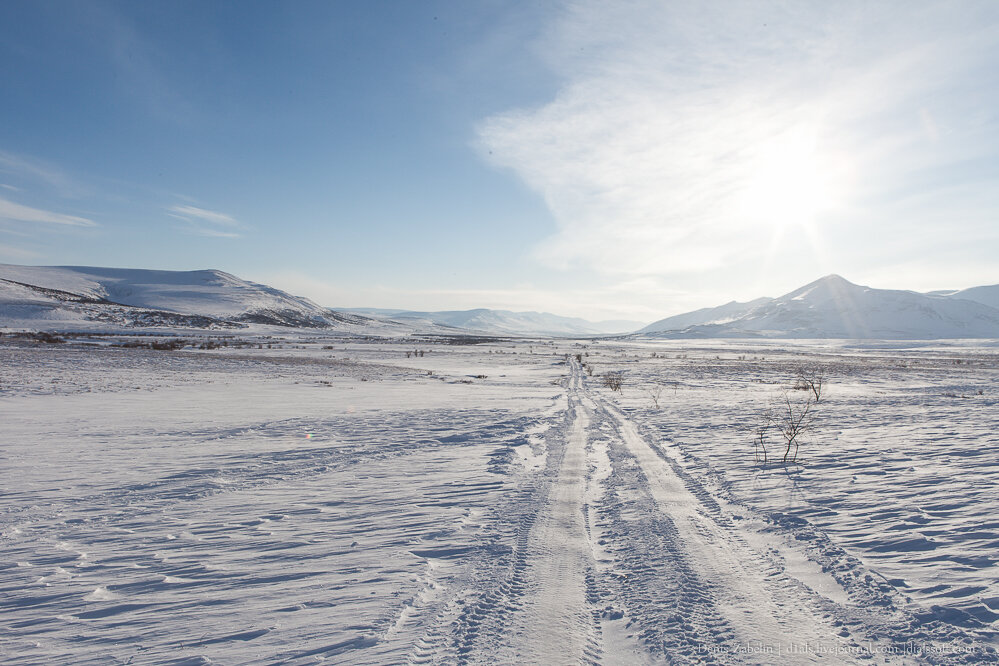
x: 214, y: 299
x: 833, y: 307
x: 33, y: 296
x: 719, y: 314
x: 505, y: 321
x: 986, y: 295
x: 206, y: 293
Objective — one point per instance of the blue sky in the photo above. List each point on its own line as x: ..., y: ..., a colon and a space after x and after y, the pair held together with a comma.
x: 607, y: 160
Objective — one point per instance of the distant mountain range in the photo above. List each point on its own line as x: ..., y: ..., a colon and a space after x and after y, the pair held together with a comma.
x: 833, y: 307
x: 505, y: 321
x: 36, y: 296
x: 41, y: 297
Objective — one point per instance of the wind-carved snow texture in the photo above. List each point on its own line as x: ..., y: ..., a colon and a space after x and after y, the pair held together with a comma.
x: 476, y: 504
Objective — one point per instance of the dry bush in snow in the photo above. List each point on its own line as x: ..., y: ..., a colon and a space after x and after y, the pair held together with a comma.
x: 810, y: 379
x: 791, y: 420
x: 614, y: 380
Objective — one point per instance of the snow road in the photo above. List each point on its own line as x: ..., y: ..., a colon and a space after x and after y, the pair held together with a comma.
x: 488, y: 504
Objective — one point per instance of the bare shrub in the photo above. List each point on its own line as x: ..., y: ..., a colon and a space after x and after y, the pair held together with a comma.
x: 655, y: 393
x: 168, y: 345
x: 760, y: 442
x: 614, y: 380
x: 792, y: 419
x: 809, y: 379
x: 48, y: 338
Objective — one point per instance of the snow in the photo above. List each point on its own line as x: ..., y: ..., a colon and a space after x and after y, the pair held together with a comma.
x: 335, y: 498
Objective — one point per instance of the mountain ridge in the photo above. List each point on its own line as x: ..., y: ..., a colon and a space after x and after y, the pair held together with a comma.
x: 504, y: 321
x: 830, y: 307
x: 833, y: 307
x: 118, y: 294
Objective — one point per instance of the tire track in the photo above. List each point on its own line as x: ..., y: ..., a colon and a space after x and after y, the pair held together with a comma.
x: 555, y: 622
x: 532, y: 603
x: 735, y: 596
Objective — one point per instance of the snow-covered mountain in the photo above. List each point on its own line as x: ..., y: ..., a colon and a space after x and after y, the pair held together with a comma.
x: 986, y: 295
x: 214, y: 299
x: 206, y: 293
x: 833, y: 307
x: 505, y: 321
x: 136, y: 297
x: 717, y: 315
x: 830, y: 307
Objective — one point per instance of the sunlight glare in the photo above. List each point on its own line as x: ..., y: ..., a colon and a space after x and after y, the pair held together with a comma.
x: 788, y: 185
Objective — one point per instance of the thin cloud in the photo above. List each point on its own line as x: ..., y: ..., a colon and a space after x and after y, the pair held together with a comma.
x: 38, y: 170
x: 215, y: 233
x: 21, y: 213
x: 683, y: 131
x: 204, y: 222
x: 212, y: 216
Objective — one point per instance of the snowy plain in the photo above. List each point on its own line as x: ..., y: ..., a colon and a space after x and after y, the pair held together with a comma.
x: 294, y: 497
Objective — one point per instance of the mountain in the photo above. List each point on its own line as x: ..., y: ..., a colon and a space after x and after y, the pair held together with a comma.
x: 833, y: 307
x: 715, y: 315
x: 32, y: 296
x: 137, y: 297
x: 986, y: 295
x: 505, y: 322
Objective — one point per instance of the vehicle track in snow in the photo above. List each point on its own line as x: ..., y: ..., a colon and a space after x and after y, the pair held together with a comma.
x: 532, y: 605
x: 569, y: 529
x: 705, y: 592
x: 698, y: 579
x: 622, y: 557
x: 555, y: 621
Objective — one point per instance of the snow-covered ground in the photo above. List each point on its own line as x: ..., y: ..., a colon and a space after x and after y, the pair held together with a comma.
x: 356, y: 502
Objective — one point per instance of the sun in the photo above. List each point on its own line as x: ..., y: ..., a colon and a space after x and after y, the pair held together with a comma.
x: 788, y: 182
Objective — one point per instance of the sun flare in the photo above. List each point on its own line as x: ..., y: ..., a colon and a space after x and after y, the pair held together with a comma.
x: 789, y: 183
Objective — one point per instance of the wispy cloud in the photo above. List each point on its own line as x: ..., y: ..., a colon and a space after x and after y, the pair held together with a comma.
x: 204, y: 214
x: 688, y: 136
x: 204, y: 222
x: 39, y: 170
x: 215, y: 233
x: 21, y: 213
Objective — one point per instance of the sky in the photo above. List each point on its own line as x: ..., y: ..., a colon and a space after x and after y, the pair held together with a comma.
x: 626, y: 160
